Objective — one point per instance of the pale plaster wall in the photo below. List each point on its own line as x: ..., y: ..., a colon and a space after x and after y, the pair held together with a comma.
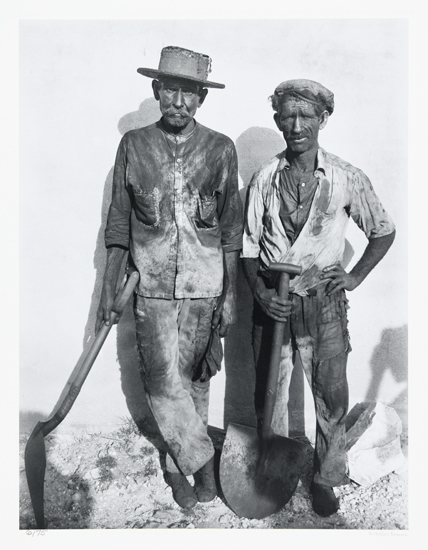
x: 79, y: 92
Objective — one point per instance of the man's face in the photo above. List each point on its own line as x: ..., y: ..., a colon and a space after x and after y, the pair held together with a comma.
x: 178, y: 100
x: 300, y: 124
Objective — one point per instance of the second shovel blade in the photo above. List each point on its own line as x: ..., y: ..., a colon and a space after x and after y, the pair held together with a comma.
x: 258, y: 480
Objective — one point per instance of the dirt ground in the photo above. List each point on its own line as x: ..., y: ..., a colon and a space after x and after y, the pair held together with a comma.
x: 116, y: 481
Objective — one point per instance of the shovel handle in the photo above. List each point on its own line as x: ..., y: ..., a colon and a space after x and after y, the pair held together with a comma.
x: 287, y: 271
x: 118, y: 306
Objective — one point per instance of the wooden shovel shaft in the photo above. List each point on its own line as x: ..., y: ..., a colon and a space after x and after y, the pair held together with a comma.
x: 279, y: 332
x: 35, y: 452
x: 81, y: 376
x: 118, y: 306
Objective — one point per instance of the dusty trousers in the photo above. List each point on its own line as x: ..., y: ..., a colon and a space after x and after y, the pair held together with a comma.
x: 319, y: 334
x: 172, y: 336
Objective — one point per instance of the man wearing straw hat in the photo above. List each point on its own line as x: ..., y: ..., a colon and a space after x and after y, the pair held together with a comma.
x: 176, y: 208
x: 297, y: 211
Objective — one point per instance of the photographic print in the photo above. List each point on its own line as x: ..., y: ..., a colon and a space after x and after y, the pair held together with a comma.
x: 213, y: 274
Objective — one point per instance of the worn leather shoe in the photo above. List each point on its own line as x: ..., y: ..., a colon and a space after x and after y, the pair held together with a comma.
x: 205, y: 486
x: 324, y: 501
x: 182, y: 491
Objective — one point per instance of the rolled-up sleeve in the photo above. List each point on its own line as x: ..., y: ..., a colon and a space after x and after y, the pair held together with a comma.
x: 118, y: 220
x: 366, y: 209
x: 229, y: 204
x: 253, y: 219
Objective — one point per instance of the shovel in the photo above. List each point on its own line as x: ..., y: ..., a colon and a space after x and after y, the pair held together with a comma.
x: 35, y: 452
x: 258, y: 475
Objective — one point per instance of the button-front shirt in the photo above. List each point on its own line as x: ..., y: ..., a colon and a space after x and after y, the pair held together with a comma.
x: 342, y: 191
x: 176, y: 206
x: 296, y: 195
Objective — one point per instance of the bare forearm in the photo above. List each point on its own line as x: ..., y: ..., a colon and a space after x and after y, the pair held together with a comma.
x: 115, y: 256
x: 340, y: 279
x: 231, y: 282
x: 374, y: 252
x: 250, y: 267
x: 225, y: 313
x: 275, y: 307
x: 231, y: 268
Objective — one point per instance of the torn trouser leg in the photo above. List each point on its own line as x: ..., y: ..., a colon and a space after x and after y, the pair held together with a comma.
x: 172, y: 335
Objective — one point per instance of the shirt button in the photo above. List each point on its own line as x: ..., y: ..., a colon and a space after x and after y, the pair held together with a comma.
x: 300, y: 206
x: 303, y: 184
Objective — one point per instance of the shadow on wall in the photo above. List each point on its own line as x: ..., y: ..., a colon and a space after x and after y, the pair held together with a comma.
x: 132, y: 386
x: 147, y: 113
x: 254, y: 147
x: 388, y: 366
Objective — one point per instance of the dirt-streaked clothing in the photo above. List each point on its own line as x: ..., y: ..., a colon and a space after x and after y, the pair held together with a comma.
x: 343, y: 191
x: 306, y: 226
x: 319, y: 334
x: 176, y: 206
x: 172, y: 337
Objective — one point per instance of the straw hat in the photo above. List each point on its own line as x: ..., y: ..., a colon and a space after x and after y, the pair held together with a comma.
x: 181, y: 63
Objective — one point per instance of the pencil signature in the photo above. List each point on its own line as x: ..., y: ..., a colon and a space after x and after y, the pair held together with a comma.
x: 36, y: 532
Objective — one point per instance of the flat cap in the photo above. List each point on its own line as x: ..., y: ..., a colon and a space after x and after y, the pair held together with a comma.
x: 308, y: 90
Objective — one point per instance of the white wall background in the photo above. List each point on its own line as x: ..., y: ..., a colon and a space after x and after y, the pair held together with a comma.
x: 78, y: 80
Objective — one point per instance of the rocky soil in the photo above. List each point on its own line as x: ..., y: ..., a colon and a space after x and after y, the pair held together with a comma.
x: 115, y: 481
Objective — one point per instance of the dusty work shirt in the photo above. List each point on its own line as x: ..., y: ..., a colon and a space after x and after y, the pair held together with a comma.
x: 296, y: 195
x: 176, y: 206
x: 342, y: 191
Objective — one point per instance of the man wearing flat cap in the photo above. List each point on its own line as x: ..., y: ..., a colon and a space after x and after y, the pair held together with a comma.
x: 175, y: 207
x: 297, y: 211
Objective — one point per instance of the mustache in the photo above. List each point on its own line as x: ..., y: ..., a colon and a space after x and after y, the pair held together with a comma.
x: 297, y: 136
x: 181, y: 112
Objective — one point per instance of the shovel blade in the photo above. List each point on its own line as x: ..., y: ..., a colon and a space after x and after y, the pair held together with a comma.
x: 35, y: 467
x: 258, y: 479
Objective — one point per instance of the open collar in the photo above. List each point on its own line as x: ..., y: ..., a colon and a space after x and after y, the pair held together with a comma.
x: 320, y: 167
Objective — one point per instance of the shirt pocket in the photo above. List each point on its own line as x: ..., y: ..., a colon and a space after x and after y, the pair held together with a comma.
x: 147, y: 207
x: 206, y: 212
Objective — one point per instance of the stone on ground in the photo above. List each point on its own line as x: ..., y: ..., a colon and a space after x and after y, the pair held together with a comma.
x: 373, y: 442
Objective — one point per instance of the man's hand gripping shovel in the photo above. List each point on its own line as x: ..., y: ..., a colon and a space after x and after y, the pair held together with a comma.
x: 259, y: 472
x: 35, y: 452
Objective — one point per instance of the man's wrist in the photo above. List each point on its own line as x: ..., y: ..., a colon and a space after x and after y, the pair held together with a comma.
x: 230, y: 300
x: 260, y: 286
x: 358, y: 277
